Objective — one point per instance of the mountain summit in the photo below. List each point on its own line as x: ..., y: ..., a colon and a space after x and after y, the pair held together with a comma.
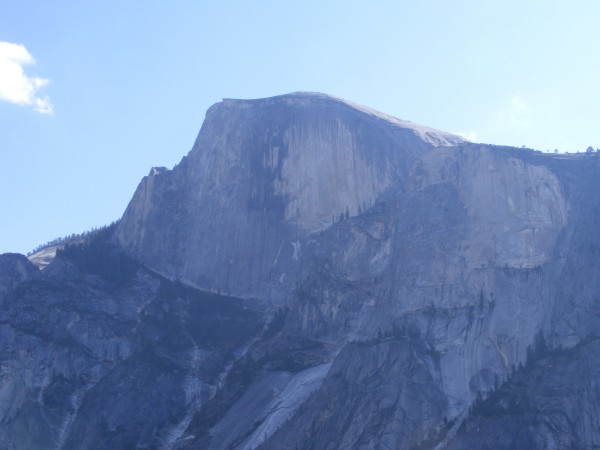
x: 318, y: 275
x: 263, y: 176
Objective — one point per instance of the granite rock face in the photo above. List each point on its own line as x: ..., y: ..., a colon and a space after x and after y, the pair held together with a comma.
x: 261, y: 178
x: 315, y: 274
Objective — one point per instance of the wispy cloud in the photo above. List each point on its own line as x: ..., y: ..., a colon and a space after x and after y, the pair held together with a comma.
x: 517, y: 111
x: 15, y: 85
x: 468, y: 135
x: 512, y: 121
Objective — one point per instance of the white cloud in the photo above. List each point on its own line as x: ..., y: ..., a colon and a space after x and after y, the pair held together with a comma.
x: 468, y: 135
x: 16, y: 86
x: 513, y: 116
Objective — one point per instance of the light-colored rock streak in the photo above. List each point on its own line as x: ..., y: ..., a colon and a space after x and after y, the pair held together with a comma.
x: 194, y: 390
x: 75, y: 400
x: 283, y: 406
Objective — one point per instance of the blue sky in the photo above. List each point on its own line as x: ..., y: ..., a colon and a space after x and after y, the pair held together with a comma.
x: 114, y: 88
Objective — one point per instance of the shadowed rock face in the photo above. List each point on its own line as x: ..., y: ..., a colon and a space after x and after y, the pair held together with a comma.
x: 94, y: 357
x: 14, y: 269
x: 551, y: 403
x: 389, y: 286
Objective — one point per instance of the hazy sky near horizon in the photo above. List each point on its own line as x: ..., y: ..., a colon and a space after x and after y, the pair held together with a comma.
x: 93, y: 94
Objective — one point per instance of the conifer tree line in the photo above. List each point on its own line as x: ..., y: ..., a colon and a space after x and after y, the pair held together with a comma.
x: 74, y: 238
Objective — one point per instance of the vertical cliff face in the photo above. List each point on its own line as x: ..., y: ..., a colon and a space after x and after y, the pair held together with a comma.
x: 262, y: 177
x: 399, y: 288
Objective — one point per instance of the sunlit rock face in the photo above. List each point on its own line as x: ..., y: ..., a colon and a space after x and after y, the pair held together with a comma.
x: 315, y: 274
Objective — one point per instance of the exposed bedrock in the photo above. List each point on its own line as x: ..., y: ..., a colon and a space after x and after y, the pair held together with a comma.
x: 315, y: 274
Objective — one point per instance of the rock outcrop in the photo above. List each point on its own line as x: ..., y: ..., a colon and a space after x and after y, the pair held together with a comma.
x: 315, y: 274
